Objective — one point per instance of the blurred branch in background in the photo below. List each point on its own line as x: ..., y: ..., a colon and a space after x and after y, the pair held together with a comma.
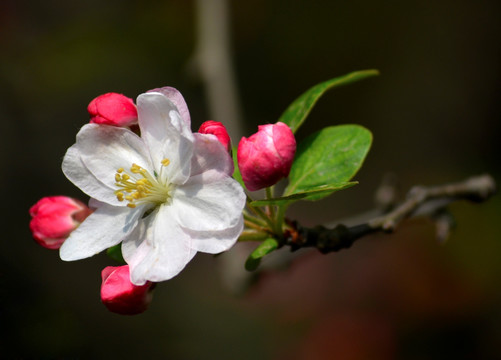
x: 213, y: 63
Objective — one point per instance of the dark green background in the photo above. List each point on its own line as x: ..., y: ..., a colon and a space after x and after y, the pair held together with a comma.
x: 434, y: 113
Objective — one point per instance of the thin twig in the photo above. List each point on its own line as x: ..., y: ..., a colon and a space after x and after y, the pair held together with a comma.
x: 421, y: 201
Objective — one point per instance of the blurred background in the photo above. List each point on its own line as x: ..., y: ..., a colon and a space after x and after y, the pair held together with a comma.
x: 434, y: 113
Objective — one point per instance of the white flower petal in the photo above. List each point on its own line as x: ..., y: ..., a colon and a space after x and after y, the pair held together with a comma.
x: 167, y: 135
x: 91, y: 163
x: 105, y: 227
x: 164, y: 252
x: 210, y: 154
x: 215, y: 242
x: 135, y: 238
x: 76, y: 171
x: 94, y: 203
x: 105, y: 149
x: 177, y: 99
x: 211, y: 201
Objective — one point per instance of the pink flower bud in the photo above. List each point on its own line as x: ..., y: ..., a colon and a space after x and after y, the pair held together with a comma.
x: 54, y: 218
x: 121, y: 296
x: 216, y: 128
x: 113, y: 109
x: 266, y: 157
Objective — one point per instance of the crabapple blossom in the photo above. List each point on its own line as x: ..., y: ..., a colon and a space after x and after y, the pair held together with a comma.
x: 121, y: 296
x: 54, y: 218
x: 266, y: 156
x: 113, y: 109
x: 165, y: 195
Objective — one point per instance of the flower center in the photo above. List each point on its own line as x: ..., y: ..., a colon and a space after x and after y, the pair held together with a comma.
x: 139, y: 186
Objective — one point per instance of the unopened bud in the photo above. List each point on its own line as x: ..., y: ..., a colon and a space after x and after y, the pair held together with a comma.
x: 54, y: 218
x: 216, y: 128
x: 266, y: 156
x: 120, y: 295
x: 113, y: 109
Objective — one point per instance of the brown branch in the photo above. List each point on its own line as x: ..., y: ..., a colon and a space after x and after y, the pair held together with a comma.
x: 421, y: 201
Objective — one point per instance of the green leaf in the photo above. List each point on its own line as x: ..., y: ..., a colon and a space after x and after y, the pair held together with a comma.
x: 331, y: 156
x: 297, y: 112
x: 236, y: 173
x: 310, y: 194
x: 254, y: 259
x: 115, y: 252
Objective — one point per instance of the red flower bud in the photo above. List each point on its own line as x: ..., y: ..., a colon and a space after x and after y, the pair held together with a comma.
x: 121, y: 296
x: 266, y: 157
x: 113, y: 109
x: 54, y: 218
x: 216, y: 128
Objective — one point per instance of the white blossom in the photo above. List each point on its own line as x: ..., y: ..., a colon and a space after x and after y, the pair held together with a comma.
x: 165, y: 194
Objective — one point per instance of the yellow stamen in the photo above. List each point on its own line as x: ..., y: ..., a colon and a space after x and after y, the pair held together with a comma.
x: 135, y: 168
x: 139, y: 186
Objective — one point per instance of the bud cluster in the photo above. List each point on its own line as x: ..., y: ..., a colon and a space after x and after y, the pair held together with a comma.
x: 263, y: 159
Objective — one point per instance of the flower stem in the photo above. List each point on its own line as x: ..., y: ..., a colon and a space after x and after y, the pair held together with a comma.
x: 279, y: 220
x: 252, y: 235
x: 252, y: 225
x: 253, y: 219
x: 261, y: 214
x: 270, y: 208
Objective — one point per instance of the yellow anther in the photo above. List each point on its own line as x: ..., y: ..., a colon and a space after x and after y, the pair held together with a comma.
x: 165, y: 162
x: 135, y: 168
x: 129, y: 198
x: 117, y: 177
x: 131, y: 205
x: 125, y: 177
x: 120, y: 170
x: 120, y: 196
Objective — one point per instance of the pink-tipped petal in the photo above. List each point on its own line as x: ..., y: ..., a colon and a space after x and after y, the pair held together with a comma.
x: 177, y: 99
